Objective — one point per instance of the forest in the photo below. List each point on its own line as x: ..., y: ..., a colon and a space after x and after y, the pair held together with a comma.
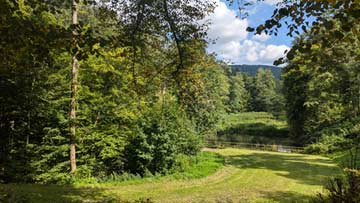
x: 124, y: 94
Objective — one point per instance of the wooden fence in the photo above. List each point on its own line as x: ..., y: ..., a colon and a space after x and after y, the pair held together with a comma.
x: 264, y: 147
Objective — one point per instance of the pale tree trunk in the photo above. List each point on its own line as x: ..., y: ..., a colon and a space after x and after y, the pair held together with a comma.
x: 74, y: 76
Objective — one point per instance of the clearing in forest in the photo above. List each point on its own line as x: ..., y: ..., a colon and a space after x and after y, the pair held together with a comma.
x: 248, y: 176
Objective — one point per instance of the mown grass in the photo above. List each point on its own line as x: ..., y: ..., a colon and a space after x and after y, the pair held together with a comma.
x: 253, y: 127
x: 90, y: 190
x: 248, y: 176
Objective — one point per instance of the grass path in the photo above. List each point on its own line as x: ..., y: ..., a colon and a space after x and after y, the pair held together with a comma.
x: 248, y: 176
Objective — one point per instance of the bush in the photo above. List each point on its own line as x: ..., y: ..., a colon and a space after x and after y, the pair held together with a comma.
x: 327, y: 144
x: 343, y: 189
x: 162, y: 134
x: 153, y: 152
x: 316, y: 148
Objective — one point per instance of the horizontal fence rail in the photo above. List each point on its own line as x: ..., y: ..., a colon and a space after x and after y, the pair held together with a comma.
x: 264, y: 147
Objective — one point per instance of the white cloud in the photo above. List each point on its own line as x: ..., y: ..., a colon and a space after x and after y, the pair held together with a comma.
x: 233, y: 43
x: 272, y: 52
x: 271, y: 2
x: 262, y: 37
x: 252, y: 52
x: 225, y: 26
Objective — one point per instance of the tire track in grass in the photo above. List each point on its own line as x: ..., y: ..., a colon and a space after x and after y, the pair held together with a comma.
x: 249, y: 176
x: 166, y: 188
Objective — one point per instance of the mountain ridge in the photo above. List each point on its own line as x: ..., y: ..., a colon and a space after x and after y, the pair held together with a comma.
x: 252, y: 69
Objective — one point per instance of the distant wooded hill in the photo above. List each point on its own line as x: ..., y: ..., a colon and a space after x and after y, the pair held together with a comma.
x: 252, y: 69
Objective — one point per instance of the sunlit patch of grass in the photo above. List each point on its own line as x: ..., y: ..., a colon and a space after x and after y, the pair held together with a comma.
x: 248, y: 176
x: 253, y: 127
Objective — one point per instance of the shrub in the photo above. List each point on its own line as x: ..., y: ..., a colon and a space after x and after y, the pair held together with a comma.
x: 162, y: 134
x: 153, y: 152
x: 343, y: 189
x: 327, y: 144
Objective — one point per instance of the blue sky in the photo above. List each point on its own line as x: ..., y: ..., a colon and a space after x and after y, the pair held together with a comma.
x: 235, y: 45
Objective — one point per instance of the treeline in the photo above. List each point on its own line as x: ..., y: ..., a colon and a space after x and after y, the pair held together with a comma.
x: 147, y: 91
x: 322, y: 88
x: 261, y: 93
x: 252, y: 69
x: 322, y: 93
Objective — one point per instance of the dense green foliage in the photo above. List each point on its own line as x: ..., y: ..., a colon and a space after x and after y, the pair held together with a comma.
x: 261, y: 93
x: 322, y: 91
x: 239, y: 96
x: 142, y: 100
x: 321, y: 84
x: 264, y: 96
x: 148, y: 93
x: 321, y: 75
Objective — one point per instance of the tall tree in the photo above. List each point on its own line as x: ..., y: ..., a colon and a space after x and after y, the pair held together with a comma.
x: 321, y: 85
x: 74, y: 84
x: 25, y: 61
x: 121, y: 95
x: 239, y: 97
x: 264, y: 90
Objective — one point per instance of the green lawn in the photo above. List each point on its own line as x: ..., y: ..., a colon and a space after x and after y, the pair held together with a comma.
x: 248, y: 176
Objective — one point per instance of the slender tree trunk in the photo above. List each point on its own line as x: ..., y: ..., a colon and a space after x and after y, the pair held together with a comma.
x: 29, y: 113
x: 74, y: 76
x: 29, y: 129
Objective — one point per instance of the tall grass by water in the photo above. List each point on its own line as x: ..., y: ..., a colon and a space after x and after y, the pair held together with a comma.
x: 253, y: 127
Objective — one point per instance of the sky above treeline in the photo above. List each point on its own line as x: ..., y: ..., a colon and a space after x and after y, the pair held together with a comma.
x: 235, y: 45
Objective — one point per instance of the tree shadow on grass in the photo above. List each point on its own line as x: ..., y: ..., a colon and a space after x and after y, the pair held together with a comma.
x: 288, y: 197
x: 32, y: 193
x: 255, y: 129
x: 297, y: 167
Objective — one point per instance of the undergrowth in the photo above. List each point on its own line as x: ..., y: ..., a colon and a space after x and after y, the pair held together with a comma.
x: 185, y: 167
